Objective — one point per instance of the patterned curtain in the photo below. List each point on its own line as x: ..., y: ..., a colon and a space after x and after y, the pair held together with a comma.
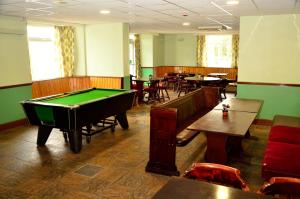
x: 235, y: 51
x: 201, y: 50
x: 65, y: 36
x: 137, y: 53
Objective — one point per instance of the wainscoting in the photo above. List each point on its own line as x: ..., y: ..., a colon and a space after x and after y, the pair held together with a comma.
x: 67, y: 84
x: 159, y: 71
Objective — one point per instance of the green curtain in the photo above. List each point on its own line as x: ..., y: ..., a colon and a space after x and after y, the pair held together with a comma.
x: 201, y: 58
x: 65, y: 40
x: 235, y: 51
x: 137, y: 52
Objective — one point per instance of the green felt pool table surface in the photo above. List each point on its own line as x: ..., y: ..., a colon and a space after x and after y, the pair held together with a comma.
x: 82, y: 97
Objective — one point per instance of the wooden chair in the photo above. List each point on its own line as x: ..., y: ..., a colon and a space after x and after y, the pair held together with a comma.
x: 162, y: 87
x: 218, y: 174
x: 282, y: 187
x: 152, y: 91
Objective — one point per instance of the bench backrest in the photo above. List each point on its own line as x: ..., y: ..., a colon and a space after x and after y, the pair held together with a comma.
x: 187, y: 108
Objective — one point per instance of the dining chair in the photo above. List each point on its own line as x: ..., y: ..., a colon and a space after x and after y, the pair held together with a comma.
x: 152, y: 91
x: 282, y: 187
x: 218, y: 174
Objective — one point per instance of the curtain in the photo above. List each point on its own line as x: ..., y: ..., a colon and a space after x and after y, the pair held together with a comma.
x: 201, y: 58
x: 235, y: 51
x: 65, y: 36
x: 137, y: 53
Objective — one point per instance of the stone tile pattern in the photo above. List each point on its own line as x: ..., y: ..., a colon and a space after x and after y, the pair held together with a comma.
x: 118, y: 162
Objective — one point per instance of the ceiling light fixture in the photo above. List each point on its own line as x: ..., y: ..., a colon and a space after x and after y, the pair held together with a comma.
x: 217, y: 6
x: 186, y: 23
x: 104, y: 12
x: 232, y: 2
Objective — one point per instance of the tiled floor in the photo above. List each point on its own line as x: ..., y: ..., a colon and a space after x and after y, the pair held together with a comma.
x: 111, y: 166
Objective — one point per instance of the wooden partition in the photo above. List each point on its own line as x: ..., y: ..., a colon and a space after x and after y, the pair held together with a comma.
x: 160, y: 71
x: 67, y: 84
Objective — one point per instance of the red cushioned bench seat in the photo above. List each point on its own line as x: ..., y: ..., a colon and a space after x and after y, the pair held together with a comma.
x: 285, y: 134
x: 281, y: 159
x: 282, y: 153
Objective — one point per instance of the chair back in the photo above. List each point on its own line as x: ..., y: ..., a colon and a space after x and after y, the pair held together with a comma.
x: 218, y: 174
x: 282, y: 187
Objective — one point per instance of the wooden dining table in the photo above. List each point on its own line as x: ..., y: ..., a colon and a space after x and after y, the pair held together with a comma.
x: 200, y: 80
x: 220, y: 129
x: 240, y: 104
x: 178, y: 188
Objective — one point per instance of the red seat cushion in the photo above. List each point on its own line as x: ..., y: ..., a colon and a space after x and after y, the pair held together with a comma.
x: 281, y: 159
x: 285, y: 134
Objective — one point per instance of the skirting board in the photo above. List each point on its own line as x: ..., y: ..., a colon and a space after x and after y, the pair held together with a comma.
x: 263, y: 122
x: 13, y: 124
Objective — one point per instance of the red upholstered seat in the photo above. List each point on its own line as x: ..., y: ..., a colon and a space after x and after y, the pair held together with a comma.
x: 216, y: 173
x: 285, y: 134
x: 285, y: 187
x: 279, y: 160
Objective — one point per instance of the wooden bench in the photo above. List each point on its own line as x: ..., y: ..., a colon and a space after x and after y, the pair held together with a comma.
x: 167, y: 127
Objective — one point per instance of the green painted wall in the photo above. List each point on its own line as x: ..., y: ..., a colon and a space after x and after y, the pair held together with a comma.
x: 126, y: 82
x: 180, y: 50
x: 10, y: 107
x: 146, y: 72
x: 14, y: 68
x: 283, y: 100
x: 269, y: 53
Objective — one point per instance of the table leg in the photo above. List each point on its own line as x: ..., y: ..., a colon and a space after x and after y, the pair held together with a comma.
x: 122, y: 119
x: 43, y: 134
x: 75, y: 140
x: 235, y: 146
x: 216, y: 148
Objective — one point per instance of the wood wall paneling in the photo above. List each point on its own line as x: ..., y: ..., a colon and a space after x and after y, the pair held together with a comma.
x: 160, y: 71
x: 106, y: 82
x: 67, y: 84
x: 79, y: 83
x: 50, y: 87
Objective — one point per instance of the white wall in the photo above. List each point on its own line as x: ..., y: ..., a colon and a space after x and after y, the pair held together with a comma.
x: 14, y: 55
x: 107, y: 49
x: 270, y: 49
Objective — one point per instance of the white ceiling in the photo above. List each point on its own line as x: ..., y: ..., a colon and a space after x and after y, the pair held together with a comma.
x: 160, y: 16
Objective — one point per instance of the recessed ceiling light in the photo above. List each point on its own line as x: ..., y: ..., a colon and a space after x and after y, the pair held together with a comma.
x: 232, y: 2
x: 104, y: 12
x: 186, y: 23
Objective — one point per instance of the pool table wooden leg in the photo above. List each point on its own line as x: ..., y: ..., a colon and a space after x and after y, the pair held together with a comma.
x: 43, y: 134
x: 122, y: 119
x: 75, y: 140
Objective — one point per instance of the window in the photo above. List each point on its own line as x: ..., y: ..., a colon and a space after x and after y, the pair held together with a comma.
x: 44, y: 53
x: 218, y: 50
x: 132, y: 69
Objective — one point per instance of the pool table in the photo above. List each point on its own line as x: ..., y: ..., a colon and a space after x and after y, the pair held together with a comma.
x: 71, y: 111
